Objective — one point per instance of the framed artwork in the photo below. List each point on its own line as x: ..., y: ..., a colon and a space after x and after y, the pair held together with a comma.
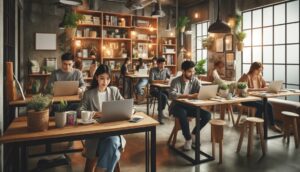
x: 142, y: 49
x: 228, y: 42
x: 229, y: 60
x: 86, y: 64
x: 219, y: 45
x: 45, y: 41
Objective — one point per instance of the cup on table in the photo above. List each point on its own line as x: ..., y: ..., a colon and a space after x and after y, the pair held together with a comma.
x: 87, y: 115
x: 71, y: 117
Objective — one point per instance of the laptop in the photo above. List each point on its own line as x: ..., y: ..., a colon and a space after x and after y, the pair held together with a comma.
x: 143, y: 72
x: 65, y: 88
x: 275, y: 86
x: 116, y: 110
x: 207, y: 92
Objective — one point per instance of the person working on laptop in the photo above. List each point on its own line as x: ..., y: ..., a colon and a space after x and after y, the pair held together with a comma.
x: 256, y: 82
x: 142, y: 82
x: 107, y: 148
x: 187, y: 86
x: 159, y: 74
x: 66, y: 73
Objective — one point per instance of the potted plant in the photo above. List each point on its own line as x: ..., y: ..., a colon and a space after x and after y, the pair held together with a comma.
x: 207, y: 43
x: 60, y: 114
x: 70, y: 23
x: 240, y: 36
x: 199, y: 68
x: 182, y: 22
x: 38, y: 112
x: 242, y: 89
x: 223, y: 90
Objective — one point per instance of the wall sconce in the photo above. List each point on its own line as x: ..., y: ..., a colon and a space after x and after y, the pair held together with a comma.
x: 151, y: 28
x: 78, y: 43
x: 196, y: 15
x: 171, y: 34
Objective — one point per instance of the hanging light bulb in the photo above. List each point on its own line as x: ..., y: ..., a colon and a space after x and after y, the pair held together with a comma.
x: 219, y: 26
x: 196, y: 15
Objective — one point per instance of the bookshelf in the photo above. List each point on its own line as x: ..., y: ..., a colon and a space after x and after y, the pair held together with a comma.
x: 114, y: 37
x: 168, y: 50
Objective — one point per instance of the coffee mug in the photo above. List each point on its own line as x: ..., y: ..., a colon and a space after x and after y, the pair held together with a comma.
x: 87, y: 115
x: 71, y: 117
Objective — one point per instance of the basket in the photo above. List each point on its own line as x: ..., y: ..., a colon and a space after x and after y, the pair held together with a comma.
x: 38, y: 121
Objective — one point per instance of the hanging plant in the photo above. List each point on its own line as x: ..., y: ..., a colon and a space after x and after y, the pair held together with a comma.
x: 70, y: 23
x: 207, y: 43
x: 182, y: 22
x: 240, y: 36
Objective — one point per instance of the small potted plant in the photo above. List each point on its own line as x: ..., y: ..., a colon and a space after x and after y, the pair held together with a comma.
x: 199, y: 68
x: 240, y: 36
x: 223, y: 90
x: 60, y: 114
x: 70, y: 23
x: 242, y: 89
x: 183, y: 21
x: 38, y: 112
x: 208, y: 43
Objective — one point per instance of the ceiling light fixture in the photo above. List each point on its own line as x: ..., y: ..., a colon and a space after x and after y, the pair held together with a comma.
x: 219, y: 26
x: 70, y: 2
x: 157, y: 12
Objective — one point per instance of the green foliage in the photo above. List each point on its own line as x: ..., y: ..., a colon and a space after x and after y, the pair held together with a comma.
x: 39, y: 102
x: 182, y: 22
x: 238, y: 18
x: 208, y: 42
x: 71, y: 19
x: 242, y: 85
x: 62, y: 106
x: 240, y: 36
x: 223, y: 87
x: 199, y: 68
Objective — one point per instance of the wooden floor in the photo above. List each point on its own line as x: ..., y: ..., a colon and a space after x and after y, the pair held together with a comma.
x: 279, y: 157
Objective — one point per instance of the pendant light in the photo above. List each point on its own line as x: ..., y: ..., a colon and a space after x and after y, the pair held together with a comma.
x: 219, y: 26
x: 157, y: 12
x: 169, y: 21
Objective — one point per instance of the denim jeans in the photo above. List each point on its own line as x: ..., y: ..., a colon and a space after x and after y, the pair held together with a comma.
x: 109, y: 153
x: 162, y: 101
x: 259, y: 110
x: 140, y: 85
x: 182, y: 112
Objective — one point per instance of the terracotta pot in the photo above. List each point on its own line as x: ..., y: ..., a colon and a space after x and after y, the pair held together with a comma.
x: 70, y: 32
x: 240, y: 46
x: 38, y: 121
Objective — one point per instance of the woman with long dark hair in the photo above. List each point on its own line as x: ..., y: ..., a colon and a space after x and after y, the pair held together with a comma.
x: 256, y: 82
x: 107, y: 148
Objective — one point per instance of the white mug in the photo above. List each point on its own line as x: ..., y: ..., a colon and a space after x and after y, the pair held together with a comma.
x: 87, y: 115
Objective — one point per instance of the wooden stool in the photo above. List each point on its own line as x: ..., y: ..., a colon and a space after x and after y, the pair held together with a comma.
x: 250, y: 122
x: 217, y: 136
x: 250, y: 112
x: 176, y: 128
x: 290, y: 119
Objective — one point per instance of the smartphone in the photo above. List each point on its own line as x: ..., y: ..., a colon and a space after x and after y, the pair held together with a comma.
x: 135, y: 119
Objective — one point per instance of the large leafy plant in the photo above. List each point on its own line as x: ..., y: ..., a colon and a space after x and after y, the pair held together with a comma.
x: 199, y: 68
x: 71, y: 19
x: 182, y: 22
x: 240, y: 36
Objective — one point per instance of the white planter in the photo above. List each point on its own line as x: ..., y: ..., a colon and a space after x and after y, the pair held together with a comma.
x: 223, y: 93
x: 60, y: 119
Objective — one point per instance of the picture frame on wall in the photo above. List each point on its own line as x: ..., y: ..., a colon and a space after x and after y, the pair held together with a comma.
x: 45, y: 41
x: 228, y: 41
x: 219, y: 45
x: 229, y: 60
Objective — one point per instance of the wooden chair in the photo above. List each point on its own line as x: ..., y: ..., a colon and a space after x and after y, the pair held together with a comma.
x: 249, y: 123
x: 173, y: 137
x: 290, y: 121
x: 217, y: 136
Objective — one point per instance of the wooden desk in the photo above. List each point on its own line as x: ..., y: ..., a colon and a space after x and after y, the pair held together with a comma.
x: 199, y: 104
x: 131, y: 78
x: 264, y: 96
x: 17, y: 134
x: 206, y: 83
x: 56, y: 99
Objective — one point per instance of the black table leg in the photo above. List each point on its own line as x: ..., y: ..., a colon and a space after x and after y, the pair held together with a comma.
x: 153, y: 149
x: 147, y: 150
x: 148, y: 94
x: 159, y: 105
x: 23, y: 159
x: 130, y: 88
x: 197, y: 149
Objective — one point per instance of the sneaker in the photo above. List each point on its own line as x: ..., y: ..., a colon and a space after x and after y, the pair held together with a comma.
x: 275, y: 128
x: 187, y: 145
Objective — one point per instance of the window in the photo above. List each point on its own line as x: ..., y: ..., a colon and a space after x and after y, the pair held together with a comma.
x: 200, y: 34
x: 272, y: 37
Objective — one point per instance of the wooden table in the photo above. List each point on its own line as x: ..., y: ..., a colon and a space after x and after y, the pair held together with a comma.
x: 56, y: 99
x: 17, y: 134
x: 206, y: 83
x: 264, y: 96
x: 198, y: 104
x: 131, y: 78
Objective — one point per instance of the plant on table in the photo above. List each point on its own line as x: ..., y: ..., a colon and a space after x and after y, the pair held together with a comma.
x: 60, y: 114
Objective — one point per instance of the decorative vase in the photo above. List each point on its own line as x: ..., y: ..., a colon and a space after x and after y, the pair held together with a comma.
x: 38, y: 121
x: 240, y: 46
x: 60, y: 119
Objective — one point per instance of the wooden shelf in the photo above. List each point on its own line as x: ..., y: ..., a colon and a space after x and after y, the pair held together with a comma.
x: 146, y: 17
x: 144, y: 59
x: 87, y: 58
x: 38, y: 75
x: 144, y: 28
x: 87, y: 38
x: 92, y: 12
x: 169, y: 53
x: 170, y: 65
x: 173, y: 45
x: 121, y: 27
x: 116, y: 39
x: 141, y: 40
x: 117, y: 14
x: 114, y: 58
x: 88, y: 25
